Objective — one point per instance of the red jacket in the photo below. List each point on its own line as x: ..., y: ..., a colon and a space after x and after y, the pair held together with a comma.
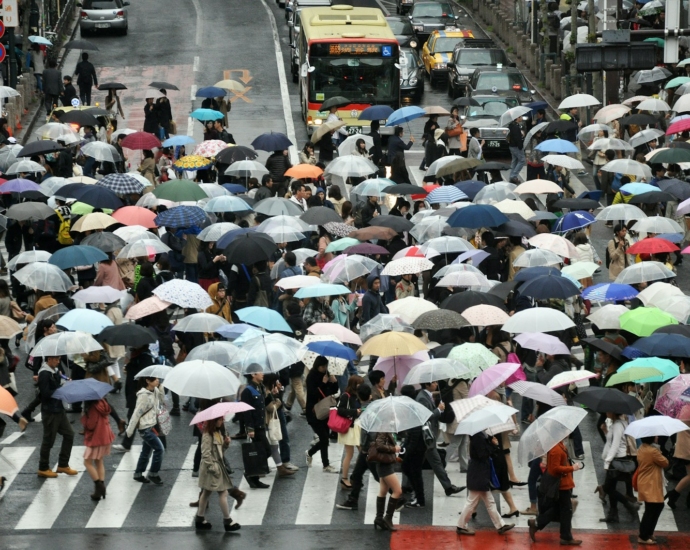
x: 558, y: 465
x: 96, y: 424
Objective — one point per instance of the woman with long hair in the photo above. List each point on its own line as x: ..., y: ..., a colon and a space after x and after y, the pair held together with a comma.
x: 319, y: 385
x: 349, y: 407
x: 98, y: 437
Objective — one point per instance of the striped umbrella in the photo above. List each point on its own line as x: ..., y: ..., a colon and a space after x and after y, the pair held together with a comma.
x: 121, y: 184
x: 447, y: 194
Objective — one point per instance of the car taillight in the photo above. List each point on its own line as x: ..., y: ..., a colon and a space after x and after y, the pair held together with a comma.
x: 120, y: 13
x: 84, y: 15
x: 444, y: 15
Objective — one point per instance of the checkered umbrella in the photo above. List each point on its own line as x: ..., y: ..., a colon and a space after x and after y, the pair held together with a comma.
x: 121, y: 184
x: 181, y: 216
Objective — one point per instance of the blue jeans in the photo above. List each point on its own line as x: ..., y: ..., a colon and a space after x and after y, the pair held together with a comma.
x: 284, y: 444
x: 39, y: 82
x: 534, y: 475
x: 517, y: 162
x: 151, y: 443
x: 191, y: 272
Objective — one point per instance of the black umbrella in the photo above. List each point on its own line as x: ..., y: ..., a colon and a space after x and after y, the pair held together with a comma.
x: 683, y: 330
x: 81, y: 45
x: 638, y: 120
x: 112, y: 86
x: 557, y: 126
x: 320, y: 215
x: 576, y: 204
x: 652, y: 197
x: 337, y: 101
x: 233, y: 154
x: 547, y: 287
x: 514, y: 228
x: 40, y: 147
x: 677, y: 188
x: 503, y: 290
x: 441, y: 352
x: 405, y: 189
x: 159, y: 85
x: 398, y: 223
x: 250, y: 248
x: 466, y: 102
x: 679, y: 144
x: 462, y: 300
x: 439, y: 319
x: 127, y: 334
x: 82, y: 118
x: 607, y: 347
x: 93, y: 195
x: 107, y: 242
x: 492, y: 166
x: 608, y: 400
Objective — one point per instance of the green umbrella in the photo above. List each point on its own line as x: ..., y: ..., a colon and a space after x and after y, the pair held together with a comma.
x: 667, y: 368
x: 179, y: 191
x: 673, y: 155
x: 341, y: 244
x: 83, y: 209
x: 632, y: 374
x: 675, y: 82
x: 643, y: 321
x: 475, y: 356
x: 659, y: 42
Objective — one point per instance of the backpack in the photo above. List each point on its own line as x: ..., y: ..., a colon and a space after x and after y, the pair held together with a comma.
x: 261, y: 296
x: 616, y: 182
x: 63, y: 236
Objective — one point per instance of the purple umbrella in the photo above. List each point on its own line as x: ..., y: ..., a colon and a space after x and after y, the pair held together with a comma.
x: 400, y: 365
x: 545, y: 343
x: 366, y: 248
x: 18, y: 185
x: 492, y: 377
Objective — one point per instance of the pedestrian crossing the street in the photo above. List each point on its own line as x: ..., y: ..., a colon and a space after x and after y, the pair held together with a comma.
x: 309, y: 497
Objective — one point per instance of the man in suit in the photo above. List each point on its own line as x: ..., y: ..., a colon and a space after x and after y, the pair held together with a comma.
x: 396, y: 144
x: 426, y: 398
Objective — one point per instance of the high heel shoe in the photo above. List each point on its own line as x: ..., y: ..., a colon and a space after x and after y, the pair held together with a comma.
x: 516, y: 514
x: 345, y: 486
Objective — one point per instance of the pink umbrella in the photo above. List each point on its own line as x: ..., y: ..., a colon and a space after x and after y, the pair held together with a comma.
x: 343, y: 334
x: 545, y: 343
x: 492, y: 377
x: 220, y: 410
x: 400, y: 365
x: 146, y: 307
x: 669, y: 400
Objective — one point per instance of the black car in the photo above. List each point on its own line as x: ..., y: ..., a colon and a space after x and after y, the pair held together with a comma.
x: 403, y: 31
x: 427, y: 17
x: 502, y: 80
x: 487, y: 117
x: 467, y: 58
x: 403, y: 6
x: 411, y: 74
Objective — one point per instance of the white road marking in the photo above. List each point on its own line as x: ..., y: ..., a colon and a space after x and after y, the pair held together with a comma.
x: 190, y: 126
x: 17, y: 457
x: 195, y: 66
x: 199, y: 22
x: 372, y: 494
x: 320, y: 489
x: 177, y: 512
x: 11, y: 438
x: 446, y: 508
x: 284, y: 93
x: 193, y: 92
x: 254, y: 507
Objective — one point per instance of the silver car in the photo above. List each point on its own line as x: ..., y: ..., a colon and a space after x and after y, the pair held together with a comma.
x: 99, y: 15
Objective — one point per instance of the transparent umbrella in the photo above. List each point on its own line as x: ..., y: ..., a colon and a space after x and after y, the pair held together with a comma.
x: 538, y: 392
x: 8, y: 155
x: 154, y: 371
x: 222, y: 353
x: 547, y: 431
x: 436, y: 369
x: 50, y: 186
x: 537, y: 257
x: 383, y: 321
x: 348, y: 268
x: 214, y: 232
x: 100, y: 151
x: 202, y: 379
x: 350, y: 166
x: 58, y: 131
x: 24, y: 166
x: 44, y: 276
x: 485, y: 418
x: 65, y: 343
x: 496, y: 192
x: 29, y: 257
x: 538, y: 319
x: 644, y: 272
x: 200, y: 322
x: 621, y: 212
x: 270, y: 353
x: 143, y: 248
x: 284, y: 229
x: 463, y: 279
x: 455, y: 268
x: 475, y: 356
x: 447, y: 245
x: 393, y: 415
x: 657, y: 225
x: 429, y: 228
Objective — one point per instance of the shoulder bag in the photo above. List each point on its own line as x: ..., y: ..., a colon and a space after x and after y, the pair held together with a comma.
x: 322, y: 409
x: 373, y: 455
x: 338, y: 423
x: 273, y: 430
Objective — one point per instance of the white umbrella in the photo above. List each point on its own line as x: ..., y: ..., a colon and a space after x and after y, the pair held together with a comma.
x: 284, y: 229
x: 653, y: 104
x: 538, y: 392
x: 485, y: 418
x: 463, y: 279
x: 611, y: 112
x: 484, y: 315
x: 44, y: 276
x: 219, y: 352
x: 579, y: 100
x: 393, y: 415
x: 631, y: 101
x: 547, y: 431
x: 446, y: 245
x: 608, y: 317
x: 202, y: 379
x: 538, y: 319
x: 645, y: 136
x: 682, y: 105
x: 592, y: 128
x: 656, y: 292
x: 538, y: 187
x: 569, y: 377
x: 407, y: 266
x: 128, y: 233
x: 628, y: 166
x: 65, y: 343
x: 214, y: 190
x: 533, y: 131
x: 348, y: 145
x: 6, y: 91
x: 99, y: 295
x: 215, y: 231
x: 50, y: 186
x: 655, y: 425
x: 464, y: 407
x: 58, y: 131
x: 25, y: 166
x: 580, y: 270
x: 544, y: 343
x: 658, y: 225
x: 514, y: 207
x: 383, y: 321
x: 344, y: 268
x: 246, y: 168
x: 621, y: 212
x: 677, y: 306
x: 555, y: 243
x: 143, y: 248
x: 537, y: 257
x: 429, y: 228
x: 410, y: 308
x: 154, y: 371
x: 436, y: 369
x: 602, y: 144
x: 644, y: 272
x: 269, y: 353
x: 350, y: 166
x: 28, y: 257
x: 184, y: 294
x: 102, y: 152
x: 454, y: 268
x: 200, y: 322
x: 440, y: 163
x: 563, y: 160
x: 513, y: 113
x: 297, y: 281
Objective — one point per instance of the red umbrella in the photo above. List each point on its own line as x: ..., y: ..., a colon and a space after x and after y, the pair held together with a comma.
x: 428, y: 188
x: 135, y: 215
x: 141, y: 140
x: 678, y: 127
x: 652, y: 246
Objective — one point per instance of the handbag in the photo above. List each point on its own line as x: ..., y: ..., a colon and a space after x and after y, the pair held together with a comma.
x: 163, y: 417
x: 373, y: 455
x: 337, y: 423
x: 274, y: 432
x: 323, y: 408
x: 624, y: 465
x: 254, y: 459
x: 494, y: 483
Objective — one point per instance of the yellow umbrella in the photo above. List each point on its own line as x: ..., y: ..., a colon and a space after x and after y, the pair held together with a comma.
x: 392, y: 343
x: 8, y: 405
x: 94, y: 222
x: 8, y: 327
x: 231, y: 85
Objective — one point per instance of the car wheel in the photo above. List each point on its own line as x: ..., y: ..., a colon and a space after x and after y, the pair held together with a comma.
x: 123, y: 32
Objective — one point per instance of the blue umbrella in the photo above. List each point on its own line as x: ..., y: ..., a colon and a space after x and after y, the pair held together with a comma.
x: 609, y: 292
x: 530, y: 273
x: 77, y: 391
x: 329, y: 348
x: 230, y: 236
x: 176, y: 141
x: 206, y: 114
x: 235, y: 188
x: 632, y: 353
x: 316, y: 291
x: 673, y: 237
x: 93, y: 195
x: 638, y: 188
x: 86, y: 320
x: 376, y: 112
x: 405, y: 114
x: 211, y: 91
x: 121, y: 184
x: 667, y: 367
x: 556, y: 146
x: 546, y: 287
x: 573, y: 221
x: 595, y: 195
x: 476, y: 216
x: 536, y: 105
x: 72, y: 256
x: 271, y: 141
x: 264, y: 317
x: 19, y: 185
x: 446, y: 193
x: 664, y: 345
x: 180, y: 216
x: 470, y: 187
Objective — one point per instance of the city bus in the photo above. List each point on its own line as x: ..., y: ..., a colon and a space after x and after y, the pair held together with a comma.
x: 350, y: 52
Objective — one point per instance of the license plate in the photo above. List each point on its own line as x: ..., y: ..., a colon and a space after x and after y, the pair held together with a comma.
x: 102, y: 25
x: 494, y: 144
x: 352, y: 130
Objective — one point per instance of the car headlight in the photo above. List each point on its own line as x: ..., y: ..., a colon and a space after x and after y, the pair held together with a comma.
x: 463, y: 77
x: 441, y: 65
x: 413, y: 43
x: 419, y: 28
x: 413, y: 81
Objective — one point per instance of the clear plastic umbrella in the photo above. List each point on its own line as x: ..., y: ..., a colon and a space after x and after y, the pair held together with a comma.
x: 102, y: 152
x: 456, y: 268
x: 214, y: 190
x: 547, y: 431
x: 608, y: 317
x: 538, y: 319
x: 53, y: 313
x: 222, y: 353
x: 301, y: 254
x: 270, y: 353
x: 436, y: 369
x: 246, y: 168
x: 621, y: 212
x: 28, y: 257
x: 65, y: 343
x: 44, y: 276
x: 214, y: 232
x: 200, y: 322
x: 99, y: 295
x: 475, y: 356
x: 447, y: 245
x: 350, y: 166
x: 463, y: 279
x: 383, y: 321
x: 202, y: 379
x: 372, y: 188
x: 8, y: 155
x: 537, y: 257
x: 429, y: 228
x: 628, y: 166
x: 184, y: 294
x: 50, y: 186
x: 496, y: 192
x: 349, y: 268
x: 538, y: 392
x: 143, y: 248
x: 58, y: 131
x: 644, y: 272
x: 657, y: 225
x: 393, y: 415
x: 485, y: 418
x: 24, y: 166
x: 284, y: 229
x: 154, y: 371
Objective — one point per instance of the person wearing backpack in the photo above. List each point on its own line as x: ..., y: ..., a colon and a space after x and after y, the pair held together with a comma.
x: 260, y: 287
x: 616, y: 256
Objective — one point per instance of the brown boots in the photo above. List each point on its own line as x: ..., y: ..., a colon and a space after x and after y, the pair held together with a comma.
x: 238, y: 495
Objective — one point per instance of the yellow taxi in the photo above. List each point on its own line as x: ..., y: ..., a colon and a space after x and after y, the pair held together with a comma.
x: 438, y: 51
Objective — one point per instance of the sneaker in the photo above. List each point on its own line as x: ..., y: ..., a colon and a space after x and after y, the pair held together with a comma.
x: 349, y: 504
x: 415, y: 504
x: 290, y: 466
x: 140, y: 478
x: 309, y: 458
x: 120, y: 448
x: 330, y: 470
x: 155, y: 479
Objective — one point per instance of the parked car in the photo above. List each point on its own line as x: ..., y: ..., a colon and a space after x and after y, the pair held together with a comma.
x: 403, y: 31
x: 97, y: 15
x: 438, y: 50
x: 466, y: 58
x: 427, y: 17
x: 485, y: 114
x: 403, y: 6
x: 411, y: 74
x: 501, y: 79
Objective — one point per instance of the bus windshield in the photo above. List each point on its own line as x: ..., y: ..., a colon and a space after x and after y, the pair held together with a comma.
x: 360, y: 79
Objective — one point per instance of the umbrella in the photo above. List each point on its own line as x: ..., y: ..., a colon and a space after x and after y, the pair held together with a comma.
x: 8, y: 327
x: 325, y: 128
x: 645, y: 136
x: 29, y: 211
x: 43, y: 276
x: 666, y: 368
x: 383, y: 322
x: 93, y: 222
x: 39, y: 147
x: 154, y: 371
x: 569, y: 377
x: 341, y: 244
x: 65, y: 343
x: 350, y: 166
x: 220, y: 410
x: 405, y: 114
x: 211, y: 91
x: 446, y: 245
x: 245, y: 168
x: 79, y: 117
x: 574, y: 221
x: 463, y: 279
x: 392, y: 343
x: 607, y: 400
x: 202, y: 379
x: 367, y: 248
x: 512, y: 114
x: 227, y: 203
x: 271, y: 141
x: 548, y: 287
x: 539, y: 319
x: 609, y: 292
x: 135, y: 215
x: 606, y: 347
x: 393, y: 415
x: 222, y: 353
x: 475, y: 356
x: 580, y: 270
x: 55, y: 131
x: 463, y: 300
x: 73, y: 256
x: 181, y: 216
x: 346, y: 268
x: 143, y: 248
x: 184, y: 294
x: 537, y: 258
x: 431, y: 227
x: 652, y: 246
x: 204, y: 115
x: 329, y: 348
x: 85, y: 320
x: 554, y: 243
x: 307, y: 171
x: 679, y: 189
x: 141, y: 141
x: 439, y: 319
x: 531, y: 272
x: 200, y: 322
x: 268, y: 353
x: 607, y: 317
x: 102, y: 152
x: 576, y: 204
x: 320, y: 290
x: 627, y: 166
x: 175, y: 141
x: 446, y: 194
x: 19, y: 186
x: 556, y: 146
x: 485, y: 418
x: 8, y: 405
x: 160, y: 85
x: 409, y: 265
x: 485, y: 315
x: 547, y: 431
x: 249, y: 248
x: 470, y: 187
x: 634, y: 374
x: 77, y: 391
x: 509, y: 206
x: 50, y: 186
x: 656, y: 225
x: 644, y: 272
x: 677, y: 306
x: 193, y: 162
x: 146, y: 307
x: 476, y: 216
x: 492, y: 377
x: 671, y: 399
x: 264, y: 317
x: 321, y: 215
x: 371, y: 188
x: 544, y: 343
x: 411, y: 307
x: 604, y: 144
x: 579, y: 100
x: 436, y: 369
x: 464, y: 407
x: 277, y: 206
x: 655, y: 426
x: 621, y: 212
x: 122, y: 184
x: 338, y: 331
x: 297, y: 281
x: 179, y: 191
x: 538, y: 392
x: 25, y: 165
x: 454, y: 165
x: 93, y: 195
x: 126, y: 334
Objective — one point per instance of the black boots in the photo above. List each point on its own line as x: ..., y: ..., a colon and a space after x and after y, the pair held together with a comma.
x: 380, y: 508
x: 99, y: 490
x: 672, y: 497
x: 201, y: 524
x: 392, y: 507
x: 231, y: 525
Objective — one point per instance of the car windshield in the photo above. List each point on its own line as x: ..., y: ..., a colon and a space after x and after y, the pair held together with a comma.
x: 400, y: 28
x: 360, y: 79
x: 468, y: 56
x: 409, y: 58
x: 431, y: 9
x: 491, y: 107
x: 445, y: 44
x: 100, y: 5
x: 500, y: 81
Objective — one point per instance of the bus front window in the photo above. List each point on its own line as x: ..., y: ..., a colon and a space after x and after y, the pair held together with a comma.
x: 360, y: 79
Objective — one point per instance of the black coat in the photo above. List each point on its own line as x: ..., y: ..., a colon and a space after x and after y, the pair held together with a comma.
x: 368, y: 212
x: 479, y: 468
x: 348, y: 406
x: 52, y: 82
x: 317, y: 390
x: 145, y: 288
x: 377, y: 149
x: 277, y: 164
x: 48, y: 382
x: 254, y: 395
x: 68, y: 95
x: 515, y: 135
x: 396, y: 145
x: 151, y: 118
x: 208, y: 269
x: 86, y: 74
x: 492, y: 266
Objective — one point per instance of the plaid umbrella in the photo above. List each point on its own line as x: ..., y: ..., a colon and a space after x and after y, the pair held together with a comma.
x: 141, y: 140
x: 339, y: 229
x: 181, y: 216
x: 210, y: 148
x: 121, y: 184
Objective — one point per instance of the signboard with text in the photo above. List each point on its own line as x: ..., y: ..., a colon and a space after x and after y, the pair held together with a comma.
x: 10, y: 13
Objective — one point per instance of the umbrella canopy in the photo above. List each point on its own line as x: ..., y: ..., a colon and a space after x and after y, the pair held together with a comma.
x: 633, y: 374
x: 277, y: 206
x: 321, y: 215
x: 329, y: 348
x: 85, y: 320
x: 93, y: 195
x: 608, y: 317
x: 485, y: 315
x: 463, y: 300
x: 392, y: 343
x: 476, y: 216
x: 43, y: 276
x: 227, y: 203
x: 671, y: 400
x: 439, y: 319
x: 544, y: 343
x: 219, y: 352
x: 579, y: 100
x: 549, y: 286
x: 351, y: 166
x: 28, y: 257
x: 141, y: 141
x: 393, y: 415
x: 8, y: 327
x: 569, y: 377
x: 214, y: 232
x: 65, y: 343
x: 146, y: 307
x: 102, y: 152
x: 297, y: 281
x: 492, y: 377
x: 475, y: 356
x: 405, y: 266
x: 94, y: 222
x: 657, y: 225
x: 539, y: 319
x: 184, y: 294
x: 463, y: 279
x: 547, y: 431
x: 264, y: 317
x: 220, y: 410
x: 268, y: 353
x: 436, y: 369
x: 249, y: 248
x: 603, y: 400
x: 609, y: 292
x: 666, y: 368
x: 126, y: 334
x: 179, y: 191
x: 574, y: 221
x: 621, y: 212
x: 143, y: 248
x: 556, y: 146
x: 181, y: 216
x: 537, y: 258
x: 202, y: 379
x: 410, y: 308
x: 338, y: 331
x: 655, y: 426
x: 72, y: 256
x: 644, y: 272
x: 485, y: 418
x: 555, y: 243
x: 320, y: 290
x: 627, y: 166
x: 271, y: 141
x: 200, y: 322
x: 580, y: 270
x: 308, y: 171
x: 135, y: 215
x: 538, y: 392
x: 88, y: 389
x: 8, y: 405
x: 383, y: 322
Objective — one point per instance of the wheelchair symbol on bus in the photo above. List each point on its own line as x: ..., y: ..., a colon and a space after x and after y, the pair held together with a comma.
x: 387, y: 51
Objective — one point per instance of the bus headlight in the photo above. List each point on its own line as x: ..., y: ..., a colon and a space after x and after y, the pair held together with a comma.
x: 413, y: 81
x: 413, y: 43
